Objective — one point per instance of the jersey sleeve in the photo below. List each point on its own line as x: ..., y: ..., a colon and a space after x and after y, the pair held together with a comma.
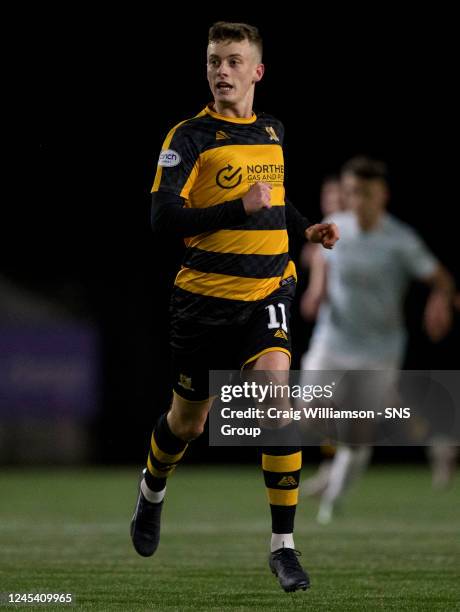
x: 170, y: 216
x: 178, y: 163
x: 418, y: 259
x: 296, y: 223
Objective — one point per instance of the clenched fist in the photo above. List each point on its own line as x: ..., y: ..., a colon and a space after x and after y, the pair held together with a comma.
x: 326, y: 234
x: 257, y: 197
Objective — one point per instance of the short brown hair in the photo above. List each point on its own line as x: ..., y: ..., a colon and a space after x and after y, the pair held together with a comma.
x: 224, y: 30
x: 366, y: 168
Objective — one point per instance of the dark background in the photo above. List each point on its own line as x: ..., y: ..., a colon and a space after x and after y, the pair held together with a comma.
x: 110, y: 87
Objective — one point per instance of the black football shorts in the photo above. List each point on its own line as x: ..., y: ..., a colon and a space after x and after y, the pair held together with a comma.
x: 198, y: 347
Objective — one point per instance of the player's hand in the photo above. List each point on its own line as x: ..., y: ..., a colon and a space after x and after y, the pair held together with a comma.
x: 438, y: 316
x: 257, y: 197
x: 326, y: 234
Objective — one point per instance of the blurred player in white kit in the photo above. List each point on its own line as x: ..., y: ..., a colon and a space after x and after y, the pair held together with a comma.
x: 357, y: 294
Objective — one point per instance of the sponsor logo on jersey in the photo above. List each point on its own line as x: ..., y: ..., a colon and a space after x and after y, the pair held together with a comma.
x: 221, y: 135
x: 268, y: 173
x: 169, y: 158
x: 228, y: 177
x: 280, y: 334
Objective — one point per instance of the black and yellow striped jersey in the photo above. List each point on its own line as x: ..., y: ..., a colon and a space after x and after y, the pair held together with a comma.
x: 211, y: 159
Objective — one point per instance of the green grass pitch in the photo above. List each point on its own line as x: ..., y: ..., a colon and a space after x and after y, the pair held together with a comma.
x: 396, y: 545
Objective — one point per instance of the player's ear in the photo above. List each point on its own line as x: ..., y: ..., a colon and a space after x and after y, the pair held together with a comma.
x: 258, y: 73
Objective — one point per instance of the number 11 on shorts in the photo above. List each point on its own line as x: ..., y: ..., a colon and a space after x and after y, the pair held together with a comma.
x: 274, y: 323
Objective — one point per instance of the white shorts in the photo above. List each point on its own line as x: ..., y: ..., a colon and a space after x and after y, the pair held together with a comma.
x: 353, y: 393
x: 319, y: 357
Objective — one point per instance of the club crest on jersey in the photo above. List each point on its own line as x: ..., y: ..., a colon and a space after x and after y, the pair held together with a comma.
x: 271, y: 132
x: 169, y: 158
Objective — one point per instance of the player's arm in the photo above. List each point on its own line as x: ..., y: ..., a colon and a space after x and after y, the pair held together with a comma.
x: 438, y: 309
x: 316, y: 290
x: 296, y: 223
x: 326, y: 234
x: 170, y: 216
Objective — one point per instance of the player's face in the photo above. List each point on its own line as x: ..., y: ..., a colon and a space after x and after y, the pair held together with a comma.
x: 366, y: 197
x: 331, y: 198
x: 233, y: 69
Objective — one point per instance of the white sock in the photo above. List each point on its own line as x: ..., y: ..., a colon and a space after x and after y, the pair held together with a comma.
x: 152, y: 496
x: 281, y: 540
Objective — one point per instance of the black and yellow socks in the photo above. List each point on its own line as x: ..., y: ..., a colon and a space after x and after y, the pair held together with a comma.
x: 281, y: 467
x: 166, y: 451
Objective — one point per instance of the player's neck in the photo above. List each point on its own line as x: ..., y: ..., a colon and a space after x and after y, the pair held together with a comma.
x: 370, y: 224
x: 238, y: 111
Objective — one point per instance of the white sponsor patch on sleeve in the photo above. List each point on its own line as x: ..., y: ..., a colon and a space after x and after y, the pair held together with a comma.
x: 169, y: 158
